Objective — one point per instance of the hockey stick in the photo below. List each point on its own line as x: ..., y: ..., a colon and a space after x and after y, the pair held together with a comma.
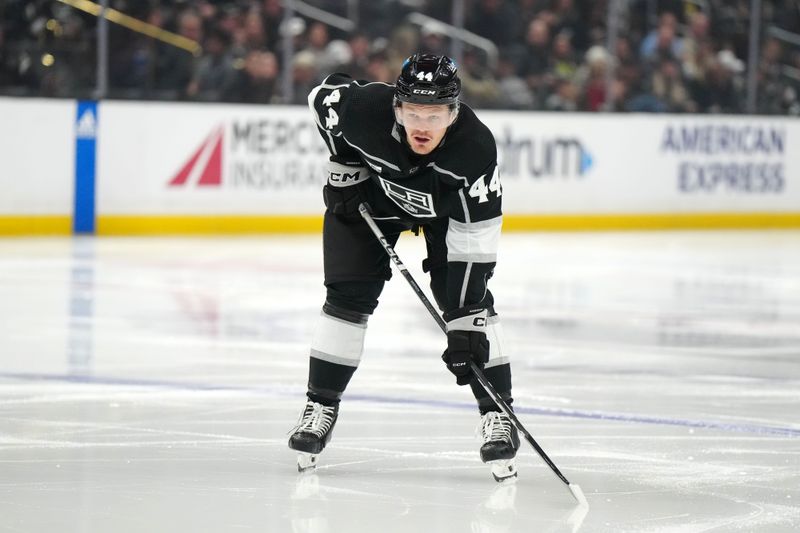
x: 576, y: 491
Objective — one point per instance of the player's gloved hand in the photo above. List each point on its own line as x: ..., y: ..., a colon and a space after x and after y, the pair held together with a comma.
x: 466, y: 341
x: 341, y: 194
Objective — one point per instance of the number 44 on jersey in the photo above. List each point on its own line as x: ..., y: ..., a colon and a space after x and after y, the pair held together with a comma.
x: 480, y: 191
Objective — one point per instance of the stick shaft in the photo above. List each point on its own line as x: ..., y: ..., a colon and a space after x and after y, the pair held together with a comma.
x: 364, y: 210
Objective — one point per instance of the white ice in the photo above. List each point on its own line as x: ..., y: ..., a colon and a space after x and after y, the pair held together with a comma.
x: 148, y: 385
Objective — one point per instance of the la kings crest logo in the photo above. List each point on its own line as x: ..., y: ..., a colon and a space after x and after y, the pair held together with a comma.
x: 415, y: 203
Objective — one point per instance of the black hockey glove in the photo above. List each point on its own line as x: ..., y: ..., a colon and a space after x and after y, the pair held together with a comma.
x: 341, y: 201
x: 466, y: 341
x: 341, y: 194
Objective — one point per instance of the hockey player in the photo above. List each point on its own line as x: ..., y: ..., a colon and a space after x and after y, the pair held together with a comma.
x: 421, y: 159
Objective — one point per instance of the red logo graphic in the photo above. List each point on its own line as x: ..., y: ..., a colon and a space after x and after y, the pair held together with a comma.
x: 205, y: 166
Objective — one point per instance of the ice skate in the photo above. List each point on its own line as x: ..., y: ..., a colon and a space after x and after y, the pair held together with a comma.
x: 500, y: 445
x: 312, y: 433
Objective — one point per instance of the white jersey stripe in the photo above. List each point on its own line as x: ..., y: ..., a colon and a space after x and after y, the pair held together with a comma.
x: 474, y: 241
x: 463, y: 296
x: 388, y: 164
x: 439, y: 169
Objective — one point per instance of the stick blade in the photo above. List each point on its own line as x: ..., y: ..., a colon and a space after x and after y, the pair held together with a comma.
x: 577, y: 493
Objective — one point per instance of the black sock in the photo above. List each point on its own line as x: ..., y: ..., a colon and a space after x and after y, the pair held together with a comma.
x: 327, y: 381
x: 500, y: 378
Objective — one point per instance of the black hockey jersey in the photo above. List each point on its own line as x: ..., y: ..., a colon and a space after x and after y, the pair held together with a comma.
x: 458, y: 181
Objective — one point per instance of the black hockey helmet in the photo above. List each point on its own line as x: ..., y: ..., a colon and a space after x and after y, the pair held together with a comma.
x: 429, y: 80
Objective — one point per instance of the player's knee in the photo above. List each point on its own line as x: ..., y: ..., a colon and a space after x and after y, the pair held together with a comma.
x: 439, y: 286
x: 355, y: 296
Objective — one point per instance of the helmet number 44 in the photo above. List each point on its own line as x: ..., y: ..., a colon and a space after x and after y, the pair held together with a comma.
x: 480, y: 191
x: 427, y: 76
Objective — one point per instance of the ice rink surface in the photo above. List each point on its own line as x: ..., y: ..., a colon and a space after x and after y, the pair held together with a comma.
x: 148, y: 385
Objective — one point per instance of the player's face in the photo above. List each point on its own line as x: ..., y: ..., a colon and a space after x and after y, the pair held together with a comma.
x: 425, y: 125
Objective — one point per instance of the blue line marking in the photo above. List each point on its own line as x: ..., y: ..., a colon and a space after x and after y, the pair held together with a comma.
x: 777, y: 431
x: 85, y: 157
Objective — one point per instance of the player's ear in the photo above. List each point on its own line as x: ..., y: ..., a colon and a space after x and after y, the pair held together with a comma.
x: 453, y: 114
x: 398, y: 115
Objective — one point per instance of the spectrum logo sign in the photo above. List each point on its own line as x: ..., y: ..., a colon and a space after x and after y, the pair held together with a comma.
x: 555, y: 157
x: 255, y: 155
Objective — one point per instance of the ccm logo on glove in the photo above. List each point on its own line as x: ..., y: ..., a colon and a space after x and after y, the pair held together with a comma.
x: 466, y: 342
x: 343, y: 177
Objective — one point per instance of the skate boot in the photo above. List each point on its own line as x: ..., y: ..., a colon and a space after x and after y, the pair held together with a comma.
x: 500, y: 445
x: 312, y: 433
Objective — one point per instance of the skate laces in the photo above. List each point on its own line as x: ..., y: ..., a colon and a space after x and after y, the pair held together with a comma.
x: 316, y: 419
x: 494, y: 427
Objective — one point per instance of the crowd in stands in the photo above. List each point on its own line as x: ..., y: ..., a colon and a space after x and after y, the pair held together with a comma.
x: 670, y: 56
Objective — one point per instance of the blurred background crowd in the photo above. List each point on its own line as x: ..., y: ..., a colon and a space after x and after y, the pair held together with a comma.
x: 668, y: 56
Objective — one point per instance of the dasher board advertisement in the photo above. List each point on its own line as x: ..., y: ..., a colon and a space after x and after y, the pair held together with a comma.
x: 270, y: 160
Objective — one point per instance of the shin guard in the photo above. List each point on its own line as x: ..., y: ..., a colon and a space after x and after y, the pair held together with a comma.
x: 336, y: 351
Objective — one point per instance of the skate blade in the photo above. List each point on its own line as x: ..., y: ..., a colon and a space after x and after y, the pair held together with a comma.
x: 306, y: 462
x: 504, y: 471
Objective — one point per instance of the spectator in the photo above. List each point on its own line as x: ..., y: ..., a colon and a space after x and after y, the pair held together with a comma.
x: 563, y: 63
x: 336, y: 57
x: 495, y: 20
x: 564, y: 17
x: 530, y: 9
x: 317, y: 40
x: 696, y: 47
x: 668, y: 86
x: 272, y: 11
x: 359, y: 56
x: 433, y: 39
x: 662, y: 42
x: 403, y: 42
x: 769, y: 76
x: 175, y: 66
x: 513, y: 91
x: 593, y: 77
x: 378, y: 69
x: 478, y: 87
x: 253, y: 32
x: 49, y: 51
x: 305, y: 75
x: 256, y: 81
x: 230, y: 20
x: 214, y: 70
x: 564, y: 96
x: 536, y: 63
x: 717, y: 93
x: 628, y: 69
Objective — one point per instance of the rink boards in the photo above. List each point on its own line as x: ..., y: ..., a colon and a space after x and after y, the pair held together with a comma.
x: 159, y: 168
